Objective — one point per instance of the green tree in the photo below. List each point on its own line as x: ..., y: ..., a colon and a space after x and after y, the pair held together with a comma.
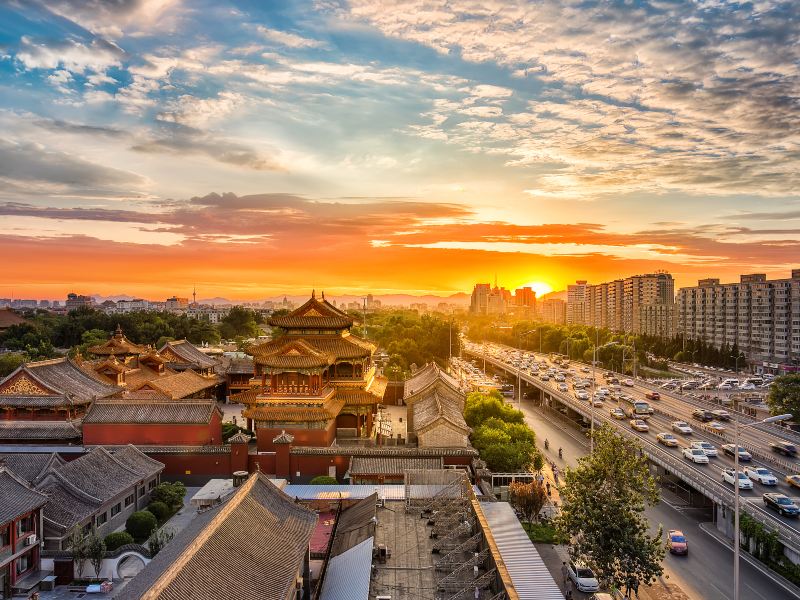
x: 79, y: 548
x: 324, y: 480
x: 602, y: 515
x: 96, y: 551
x: 117, y: 539
x: 141, y: 524
x: 240, y: 322
x: 92, y: 337
x: 480, y: 407
x: 158, y: 540
x: 9, y: 361
x: 784, y: 395
x: 160, y: 510
x: 527, y: 498
x: 171, y: 494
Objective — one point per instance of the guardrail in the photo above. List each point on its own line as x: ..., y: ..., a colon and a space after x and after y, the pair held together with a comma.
x: 702, y: 482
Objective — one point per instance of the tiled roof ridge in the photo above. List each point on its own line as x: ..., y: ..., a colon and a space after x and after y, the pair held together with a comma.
x: 28, y: 370
x: 70, y: 487
x: 119, y: 462
x: 6, y: 470
x: 168, y: 576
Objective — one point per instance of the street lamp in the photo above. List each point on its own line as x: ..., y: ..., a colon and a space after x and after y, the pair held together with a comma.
x: 736, y: 357
x: 519, y: 377
x: 736, y: 495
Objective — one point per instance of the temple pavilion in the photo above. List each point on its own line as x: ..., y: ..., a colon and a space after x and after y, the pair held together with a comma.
x: 316, y: 381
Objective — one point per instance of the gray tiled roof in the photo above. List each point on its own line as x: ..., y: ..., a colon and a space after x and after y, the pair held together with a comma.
x: 197, y: 411
x: 63, y: 375
x: 78, y: 488
x: 31, y: 465
x: 190, y: 354
x: 433, y: 406
x: 18, y: 497
x: 39, y: 430
x: 390, y: 465
x: 384, y: 451
x: 249, y: 547
x: 426, y: 376
x: 53, y: 401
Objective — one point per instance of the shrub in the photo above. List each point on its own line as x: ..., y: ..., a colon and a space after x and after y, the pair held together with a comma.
x: 141, y: 524
x: 117, y: 539
x: 160, y: 510
x: 170, y: 494
x: 324, y: 480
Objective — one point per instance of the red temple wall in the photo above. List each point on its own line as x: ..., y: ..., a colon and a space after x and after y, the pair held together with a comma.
x: 153, y: 435
x: 302, y: 437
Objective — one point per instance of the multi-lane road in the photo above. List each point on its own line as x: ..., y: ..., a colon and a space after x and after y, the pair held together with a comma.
x: 707, y: 478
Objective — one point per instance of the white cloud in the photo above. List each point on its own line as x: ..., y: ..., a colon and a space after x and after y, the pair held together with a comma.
x: 71, y: 55
x: 288, y: 39
x: 199, y: 112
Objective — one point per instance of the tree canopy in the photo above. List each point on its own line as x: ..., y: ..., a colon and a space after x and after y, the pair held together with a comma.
x: 784, y: 395
x: 500, y: 434
x: 602, y: 516
x: 240, y: 322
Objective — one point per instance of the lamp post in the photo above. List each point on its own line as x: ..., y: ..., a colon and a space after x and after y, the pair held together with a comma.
x: 519, y: 376
x: 736, y: 542
x: 736, y: 358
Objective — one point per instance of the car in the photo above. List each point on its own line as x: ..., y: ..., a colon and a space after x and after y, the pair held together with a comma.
x: 639, y: 425
x: 722, y: 415
x: 724, y: 386
x: 583, y: 578
x: 617, y: 413
x: 706, y: 447
x: 783, y: 504
x: 717, y: 426
x: 598, y: 402
x: 601, y: 596
x: 695, y: 455
x: 562, y: 387
x: 761, y: 475
x: 627, y: 382
x: 581, y: 395
x: 730, y: 450
x: 681, y: 427
x: 544, y: 377
x: 585, y: 370
x: 702, y: 415
x: 653, y: 396
x: 785, y: 448
x: 729, y: 476
x: 676, y: 542
x: 667, y: 439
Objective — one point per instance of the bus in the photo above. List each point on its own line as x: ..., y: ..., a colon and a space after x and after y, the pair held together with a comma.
x: 635, y: 409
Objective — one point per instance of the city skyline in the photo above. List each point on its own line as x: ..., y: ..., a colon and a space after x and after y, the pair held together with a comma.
x: 256, y: 150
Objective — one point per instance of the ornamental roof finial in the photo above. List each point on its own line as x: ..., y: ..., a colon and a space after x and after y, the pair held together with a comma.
x: 313, y: 293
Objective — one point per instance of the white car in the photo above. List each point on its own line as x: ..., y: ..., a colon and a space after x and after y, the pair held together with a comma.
x: 709, y: 449
x: 761, y: 475
x: 581, y: 395
x: 724, y: 386
x: 729, y: 476
x: 562, y: 387
x: 681, y: 427
x: 695, y: 455
x: 583, y: 578
x: 628, y: 382
x: 585, y: 370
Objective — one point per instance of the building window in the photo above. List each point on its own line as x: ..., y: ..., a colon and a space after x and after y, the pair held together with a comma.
x: 25, y: 525
x: 23, y: 563
x: 101, y: 518
x: 141, y: 491
x: 115, y: 510
x: 129, y: 500
x: 151, y: 485
x: 5, y: 536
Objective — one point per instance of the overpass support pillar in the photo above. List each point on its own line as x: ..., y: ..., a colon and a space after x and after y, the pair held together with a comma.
x: 723, y: 518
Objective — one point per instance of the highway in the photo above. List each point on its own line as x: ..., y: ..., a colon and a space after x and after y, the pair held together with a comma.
x: 707, y: 572
x: 705, y: 478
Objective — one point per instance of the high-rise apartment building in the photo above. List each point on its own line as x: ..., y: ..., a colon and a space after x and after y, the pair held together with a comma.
x: 638, y: 304
x: 76, y: 301
x: 487, y: 300
x: 554, y: 310
x: 760, y: 317
x: 577, y: 304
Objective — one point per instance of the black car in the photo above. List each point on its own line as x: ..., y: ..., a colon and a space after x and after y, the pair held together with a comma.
x: 783, y: 504
x: 702, y: 415
x: 784, y: 448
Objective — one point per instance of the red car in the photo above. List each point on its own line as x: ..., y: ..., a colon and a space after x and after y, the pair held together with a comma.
x: 676, y: 542
x: 653, y: 396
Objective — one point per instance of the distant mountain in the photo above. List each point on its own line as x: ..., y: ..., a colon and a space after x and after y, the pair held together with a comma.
x: 99, y: 299
x: 217, y: 300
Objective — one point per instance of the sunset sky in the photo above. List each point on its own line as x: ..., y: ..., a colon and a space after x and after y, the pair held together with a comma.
x: 260, y: 148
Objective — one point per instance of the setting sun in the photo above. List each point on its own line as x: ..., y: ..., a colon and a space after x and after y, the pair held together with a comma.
x: 541, y: 288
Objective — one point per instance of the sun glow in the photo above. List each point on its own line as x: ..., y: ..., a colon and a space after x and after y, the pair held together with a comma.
x: 540, y: 287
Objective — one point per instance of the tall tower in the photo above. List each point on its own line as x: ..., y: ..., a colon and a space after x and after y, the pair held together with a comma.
x: 194, y: 295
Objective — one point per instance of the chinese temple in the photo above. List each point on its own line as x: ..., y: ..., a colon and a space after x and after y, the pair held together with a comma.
x: 316, y: 382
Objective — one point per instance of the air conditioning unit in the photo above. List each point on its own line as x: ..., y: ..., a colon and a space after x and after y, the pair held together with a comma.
x: 31, y: 539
